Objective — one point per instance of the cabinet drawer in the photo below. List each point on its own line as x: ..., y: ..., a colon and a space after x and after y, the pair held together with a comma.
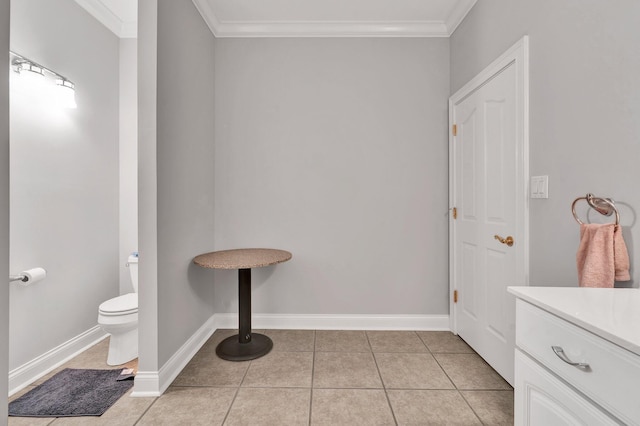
x: 541, y: 399
x: 613, y: 377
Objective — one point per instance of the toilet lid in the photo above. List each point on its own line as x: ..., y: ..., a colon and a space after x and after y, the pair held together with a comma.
x: 121, y: 305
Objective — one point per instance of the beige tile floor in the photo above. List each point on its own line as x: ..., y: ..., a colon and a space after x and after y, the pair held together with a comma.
x: 319, y: 378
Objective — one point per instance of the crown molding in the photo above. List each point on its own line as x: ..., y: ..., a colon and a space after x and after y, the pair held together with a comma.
x: 207, y: 14
x: 107, y: 18
x: 331, y: 29
x: 222, y: 29
x: 462, y: 8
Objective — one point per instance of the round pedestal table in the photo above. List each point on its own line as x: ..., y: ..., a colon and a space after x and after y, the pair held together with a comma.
x: 245, y: 345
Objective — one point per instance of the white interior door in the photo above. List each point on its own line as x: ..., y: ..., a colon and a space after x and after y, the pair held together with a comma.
x: 489, y: 183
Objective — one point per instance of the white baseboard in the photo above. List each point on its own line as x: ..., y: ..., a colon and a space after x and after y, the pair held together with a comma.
x: 38, y: 367
x: 338, y: 322
x: 154, y: 383
x: 146, y: 384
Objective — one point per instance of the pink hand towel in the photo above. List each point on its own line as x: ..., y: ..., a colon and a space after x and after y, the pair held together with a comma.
x: 620, y: 256
x: 602, y: 256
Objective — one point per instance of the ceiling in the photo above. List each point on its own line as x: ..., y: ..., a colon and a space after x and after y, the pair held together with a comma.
x: 304, y: 18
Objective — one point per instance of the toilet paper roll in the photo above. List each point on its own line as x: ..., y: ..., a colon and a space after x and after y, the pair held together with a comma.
x: 33, y: 276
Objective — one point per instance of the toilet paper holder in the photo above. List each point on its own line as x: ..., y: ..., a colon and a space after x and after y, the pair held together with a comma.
x: 29, y: 276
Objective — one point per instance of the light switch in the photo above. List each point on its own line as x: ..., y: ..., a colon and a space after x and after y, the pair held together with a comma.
x: 539, y: 186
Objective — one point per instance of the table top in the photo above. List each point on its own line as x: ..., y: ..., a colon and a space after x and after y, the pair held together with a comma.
x: 241, y: 258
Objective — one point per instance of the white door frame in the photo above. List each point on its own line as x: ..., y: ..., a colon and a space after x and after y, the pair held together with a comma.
x: 518, y: 54
x: 4, y: 209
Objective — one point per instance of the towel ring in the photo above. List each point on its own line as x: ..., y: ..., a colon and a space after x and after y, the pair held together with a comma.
x: 604, y: 206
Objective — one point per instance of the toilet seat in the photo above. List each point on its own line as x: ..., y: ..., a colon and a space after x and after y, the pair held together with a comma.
x: 121, y: 305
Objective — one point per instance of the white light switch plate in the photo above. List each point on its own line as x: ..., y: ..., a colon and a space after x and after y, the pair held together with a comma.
x: 539, y: 186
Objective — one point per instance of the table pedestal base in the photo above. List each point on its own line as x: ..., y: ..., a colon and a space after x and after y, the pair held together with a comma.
x: 232, y: 350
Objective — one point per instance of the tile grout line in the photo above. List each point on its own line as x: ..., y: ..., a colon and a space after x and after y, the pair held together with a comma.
x: 455, y: 386
x: 313, y: 368
x: 433, y: 355
x: 146, y: 411
x: 484, y: 361
x: 384, y: 386
x: 469, y: 405
x: 347, y: 387
x: 457, y: 389
x: 247, y: 387
x: 235, y: 395
x: 424, y: 343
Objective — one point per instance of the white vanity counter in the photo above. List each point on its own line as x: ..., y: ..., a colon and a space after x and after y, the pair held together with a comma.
x: 611, y: 313
x: 577, y: 358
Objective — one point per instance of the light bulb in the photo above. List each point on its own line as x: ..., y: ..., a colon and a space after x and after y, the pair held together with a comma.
x: 65, y: 94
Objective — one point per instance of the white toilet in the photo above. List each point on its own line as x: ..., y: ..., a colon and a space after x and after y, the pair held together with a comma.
x: 119, y: 317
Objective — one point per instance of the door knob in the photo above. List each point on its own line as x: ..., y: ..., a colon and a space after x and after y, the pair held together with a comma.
x: 508, y: 241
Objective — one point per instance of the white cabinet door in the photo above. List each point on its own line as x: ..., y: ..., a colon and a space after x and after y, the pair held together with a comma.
x: 541, y: 399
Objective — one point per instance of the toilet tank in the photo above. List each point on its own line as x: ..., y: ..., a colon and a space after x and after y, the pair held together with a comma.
x: 132, y: 261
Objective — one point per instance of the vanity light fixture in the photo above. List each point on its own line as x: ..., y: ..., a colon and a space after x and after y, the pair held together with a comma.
x: 30, y: 67
x: 63, y: 89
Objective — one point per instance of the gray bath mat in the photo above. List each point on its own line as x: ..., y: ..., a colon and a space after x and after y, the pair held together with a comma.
x: 72, y: 393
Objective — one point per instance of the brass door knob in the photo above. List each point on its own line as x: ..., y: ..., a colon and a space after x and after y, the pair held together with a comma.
x: 508, y: 241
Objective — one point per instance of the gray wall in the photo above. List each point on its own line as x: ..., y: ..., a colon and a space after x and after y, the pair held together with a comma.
x: 147, y: 186
x: 585, y: 112
x: 185, y: 177
x: 64, y: 179
x: 336, y: 150
x: 4, y: 203
x: 128, y: 157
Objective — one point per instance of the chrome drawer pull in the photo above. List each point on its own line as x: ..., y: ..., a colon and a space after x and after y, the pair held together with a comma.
x: 560, y: 353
